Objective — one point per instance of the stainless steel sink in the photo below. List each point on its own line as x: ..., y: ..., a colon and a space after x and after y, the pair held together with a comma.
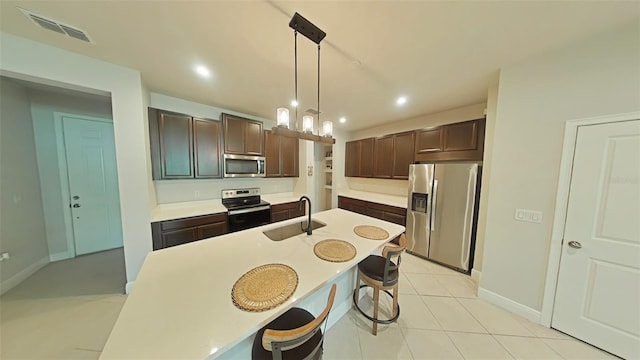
x: 287, y: 231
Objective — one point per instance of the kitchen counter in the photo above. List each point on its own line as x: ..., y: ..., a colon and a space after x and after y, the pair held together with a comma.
x: 392, y: 200
x: 180, y: 305
x: 186, y: 209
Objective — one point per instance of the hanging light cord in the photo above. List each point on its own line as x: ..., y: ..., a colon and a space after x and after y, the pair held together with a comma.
x: 295, y: 55
x: 319, y: 89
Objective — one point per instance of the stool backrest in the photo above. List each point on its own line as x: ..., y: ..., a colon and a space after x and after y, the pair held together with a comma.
x: 277, y: 341
x: 391, y: 253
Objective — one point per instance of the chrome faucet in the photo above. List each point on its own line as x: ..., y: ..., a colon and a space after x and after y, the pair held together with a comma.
x: 300, y: 206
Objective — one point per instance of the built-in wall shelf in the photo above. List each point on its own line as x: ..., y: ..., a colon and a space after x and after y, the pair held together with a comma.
x: 328, y: 187
x: 329, y: 158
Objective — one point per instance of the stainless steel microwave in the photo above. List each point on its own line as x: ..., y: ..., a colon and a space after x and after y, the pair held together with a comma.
x: 243, y: 166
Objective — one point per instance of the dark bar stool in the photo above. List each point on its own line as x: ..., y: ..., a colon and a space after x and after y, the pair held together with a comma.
x: 295, y: 334
x: 381, y: 273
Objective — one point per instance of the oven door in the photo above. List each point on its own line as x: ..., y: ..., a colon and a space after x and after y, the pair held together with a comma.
x: 247, y: 218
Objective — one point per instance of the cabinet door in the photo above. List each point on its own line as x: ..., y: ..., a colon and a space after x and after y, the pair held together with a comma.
x: 428, y: 140
x: 279, y: 214
x: 289, y: 156
x: 383, y: 157
x: 179, y: 237
x: 378, y: 214
x: 207, y: 148
x: 272, y: 154
x: 234, y: 133
x: 403, y: 154
x: 461, y: 136
x: 295, y: 212
x: 352, y: 159
x: 175, y: 132
x: 366, y: 157
x: 211, y: 230
x: 253, y: 138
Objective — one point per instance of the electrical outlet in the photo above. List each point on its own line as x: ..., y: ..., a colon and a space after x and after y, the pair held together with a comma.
x: 528, y: 215
x: 196, y: 194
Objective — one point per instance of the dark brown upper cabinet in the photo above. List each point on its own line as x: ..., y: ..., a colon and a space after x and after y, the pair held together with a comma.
x: 392, y: 155
x: 242, y: 136
x: 281, y: 155
x: 459, y: 141
x: 183, y: 147
x: 359, y: 158
x: 207, y: 145
x: 383, y: 157
x: 403, y: 153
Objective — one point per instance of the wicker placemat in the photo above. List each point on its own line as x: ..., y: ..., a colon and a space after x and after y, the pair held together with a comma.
x: 264, y: 287
x: 334, y: 250
x: 371, y: 232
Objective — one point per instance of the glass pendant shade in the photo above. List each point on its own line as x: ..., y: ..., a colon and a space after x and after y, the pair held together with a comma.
x: 307, y: 124
x: 327, y: 128
x: 282, y: 117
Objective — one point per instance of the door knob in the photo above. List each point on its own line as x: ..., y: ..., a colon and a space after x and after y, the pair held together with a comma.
x: 575, y: 244
x: 76, y: 205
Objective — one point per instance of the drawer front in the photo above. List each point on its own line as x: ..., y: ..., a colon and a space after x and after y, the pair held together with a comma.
x: 395, y: 218
x: 193, y: 221
x: 179, y: 237
x: 387, y: 208
x: 211, y: 230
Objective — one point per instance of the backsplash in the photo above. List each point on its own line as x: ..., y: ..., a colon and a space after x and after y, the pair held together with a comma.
x: 171, y: 191
x: 380, y: 186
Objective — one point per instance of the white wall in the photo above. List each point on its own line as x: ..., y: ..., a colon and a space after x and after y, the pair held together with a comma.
x: 168, y: 191
x: 29, y: 60
x: 597, y: 76
x: 22, y: 227
x: 487, y: 161
x: 43, y: 106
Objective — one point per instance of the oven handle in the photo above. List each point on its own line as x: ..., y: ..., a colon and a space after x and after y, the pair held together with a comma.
x: 253, y: 209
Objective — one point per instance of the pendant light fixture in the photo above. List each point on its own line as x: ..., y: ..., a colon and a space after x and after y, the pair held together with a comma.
x: 303, y: 26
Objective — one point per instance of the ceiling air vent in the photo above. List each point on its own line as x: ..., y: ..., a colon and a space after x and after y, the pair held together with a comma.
x: 56, y: 26
x: 312, y: 111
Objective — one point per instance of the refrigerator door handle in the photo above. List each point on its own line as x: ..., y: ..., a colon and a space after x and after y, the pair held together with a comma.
x: 468, y: 214
x: 434, y: 201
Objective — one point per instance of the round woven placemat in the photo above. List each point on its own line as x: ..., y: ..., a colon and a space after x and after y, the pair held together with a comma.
x: 264, y: 287
x: 334, y: 250
x: 371, y: 232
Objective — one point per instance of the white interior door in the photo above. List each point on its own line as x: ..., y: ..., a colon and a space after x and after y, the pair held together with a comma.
x: 93, y: 184
x: 598, y: 291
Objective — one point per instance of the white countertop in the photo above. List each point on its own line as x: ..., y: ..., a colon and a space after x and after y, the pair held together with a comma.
x: 180, y: 305
x: 186, y: 209
x: 393, y: 200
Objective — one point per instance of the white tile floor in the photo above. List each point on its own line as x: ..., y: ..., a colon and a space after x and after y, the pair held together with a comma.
x: 66, y: 311
x: 442, y: 318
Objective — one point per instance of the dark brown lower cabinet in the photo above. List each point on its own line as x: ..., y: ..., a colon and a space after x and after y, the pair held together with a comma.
x: 181, y: 231
x: 389, y: 213
x: 286, y: 211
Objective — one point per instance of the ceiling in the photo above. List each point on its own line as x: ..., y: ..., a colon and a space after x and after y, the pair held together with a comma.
x: 441, y: 55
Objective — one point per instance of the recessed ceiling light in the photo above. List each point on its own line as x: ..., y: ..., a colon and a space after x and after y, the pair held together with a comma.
x: 401, y: 100
x: 294, y: 103
x: 343, y: 119
x: 202, y: 71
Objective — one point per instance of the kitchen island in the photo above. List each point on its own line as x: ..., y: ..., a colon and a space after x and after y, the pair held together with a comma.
x: 180, y: 305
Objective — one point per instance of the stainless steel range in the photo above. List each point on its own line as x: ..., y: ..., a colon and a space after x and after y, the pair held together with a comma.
x: 245, y: 208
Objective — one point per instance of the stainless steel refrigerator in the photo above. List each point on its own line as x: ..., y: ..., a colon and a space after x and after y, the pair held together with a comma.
x: 442, y: 212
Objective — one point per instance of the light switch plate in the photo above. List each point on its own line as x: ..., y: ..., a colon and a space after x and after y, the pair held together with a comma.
x: 528, y: 215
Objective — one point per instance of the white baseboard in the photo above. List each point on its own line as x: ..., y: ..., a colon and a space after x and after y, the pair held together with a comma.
x: 475, y: 276
x: 510, y: 305
x: 128, y: 287
x: 22, y: 275
x: 63, y: 255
